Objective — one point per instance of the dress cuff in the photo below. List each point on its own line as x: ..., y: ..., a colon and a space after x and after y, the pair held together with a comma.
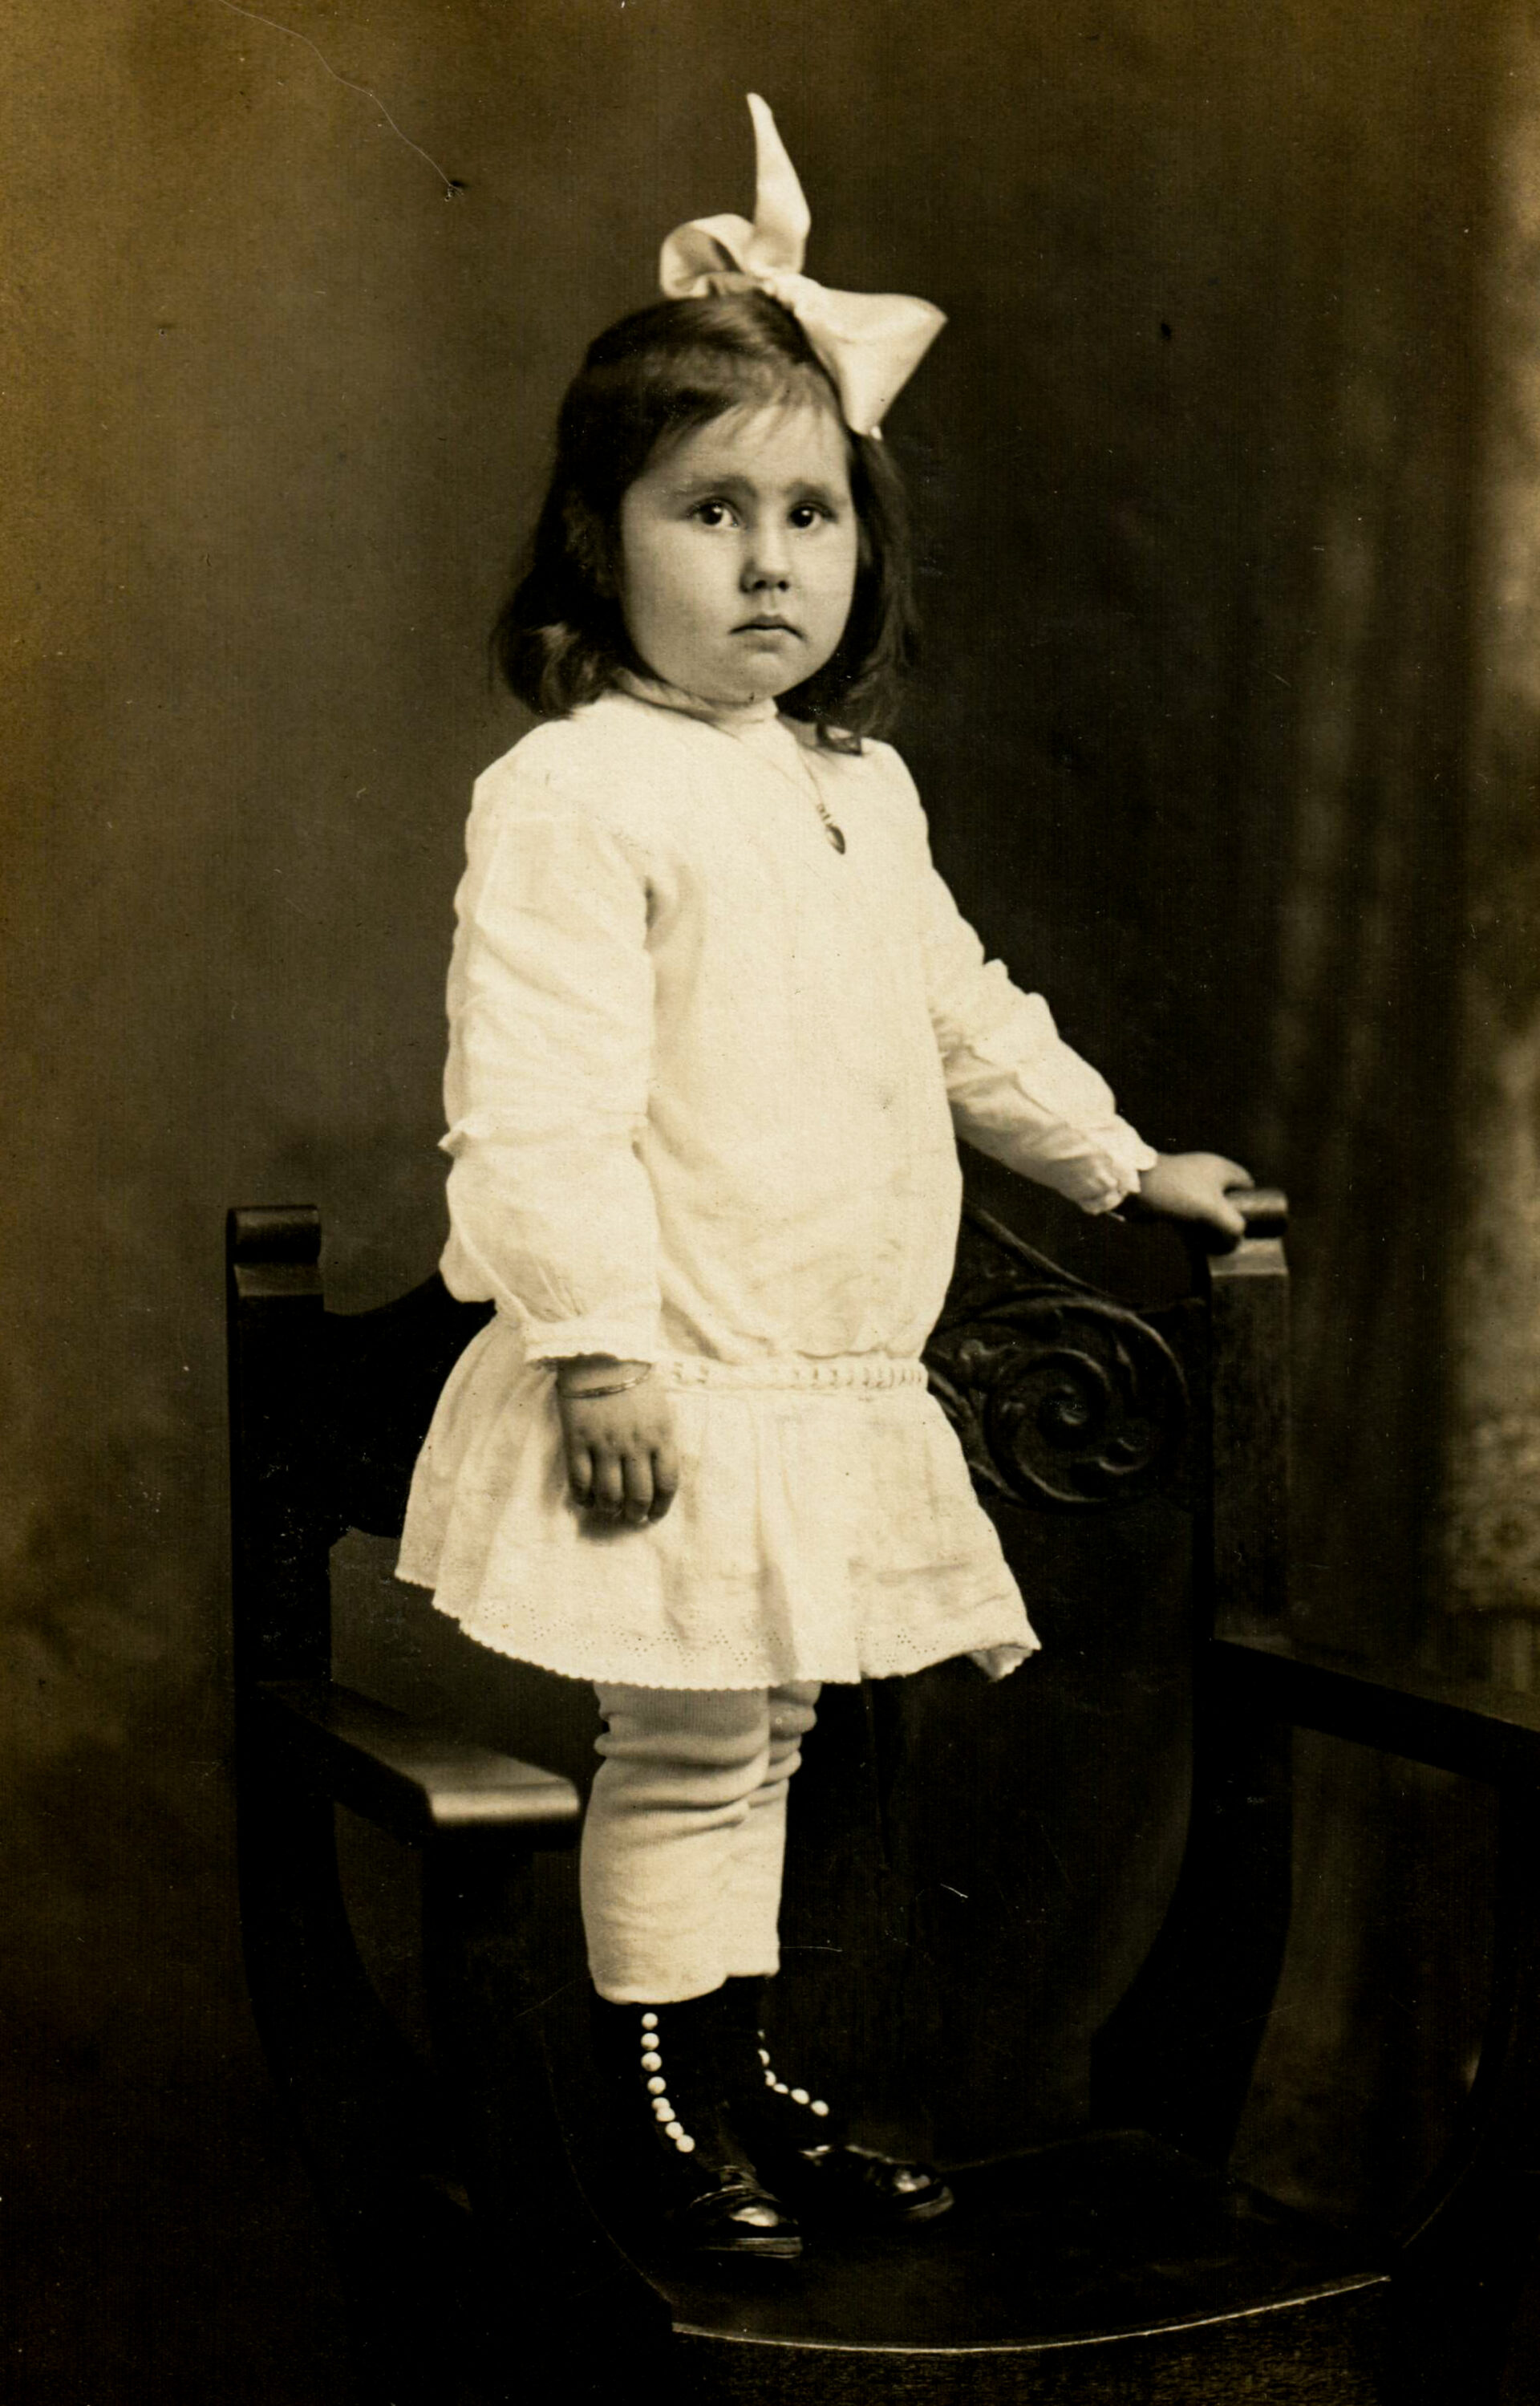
x: 1108, y: 1179
x: 556, y: 1340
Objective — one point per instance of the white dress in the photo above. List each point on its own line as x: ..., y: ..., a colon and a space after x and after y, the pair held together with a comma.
x: 704, y: 1073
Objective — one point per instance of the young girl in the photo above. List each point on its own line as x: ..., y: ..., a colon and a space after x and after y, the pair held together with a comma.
x: 714, y: 1019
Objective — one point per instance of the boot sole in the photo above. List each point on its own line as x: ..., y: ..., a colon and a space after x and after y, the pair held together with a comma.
x: 782, y: 2251
x: 826, y: 2213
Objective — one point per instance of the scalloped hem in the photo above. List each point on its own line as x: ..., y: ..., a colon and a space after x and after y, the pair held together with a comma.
x: 982, y: 1643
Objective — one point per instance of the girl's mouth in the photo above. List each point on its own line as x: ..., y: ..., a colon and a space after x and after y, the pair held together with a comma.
x: 765, y: 627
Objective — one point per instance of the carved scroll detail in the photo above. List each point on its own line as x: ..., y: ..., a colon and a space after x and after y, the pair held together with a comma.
x: 1062, y: 1397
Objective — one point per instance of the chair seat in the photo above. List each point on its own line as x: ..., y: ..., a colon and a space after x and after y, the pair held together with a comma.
x: 1111, y: 2245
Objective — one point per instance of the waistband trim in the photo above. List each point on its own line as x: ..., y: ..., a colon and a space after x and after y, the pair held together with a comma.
x: 844, y: 1372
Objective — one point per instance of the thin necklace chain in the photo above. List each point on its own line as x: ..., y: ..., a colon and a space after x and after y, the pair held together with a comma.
x: 805, y: 783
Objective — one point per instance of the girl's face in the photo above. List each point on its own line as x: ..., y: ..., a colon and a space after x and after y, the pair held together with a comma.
x: 738, y: 546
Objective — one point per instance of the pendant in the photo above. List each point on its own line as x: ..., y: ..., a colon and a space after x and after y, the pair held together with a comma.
x: 835, y: 835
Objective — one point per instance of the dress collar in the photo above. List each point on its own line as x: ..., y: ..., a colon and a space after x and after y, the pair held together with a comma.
x: 730, y: 715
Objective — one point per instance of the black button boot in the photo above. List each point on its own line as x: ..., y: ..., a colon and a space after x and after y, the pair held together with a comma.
x: 662, y: 2065
x: 800, y: 2143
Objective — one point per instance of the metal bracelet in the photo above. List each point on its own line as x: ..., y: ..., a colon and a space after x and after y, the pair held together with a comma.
x: 617, y: 1387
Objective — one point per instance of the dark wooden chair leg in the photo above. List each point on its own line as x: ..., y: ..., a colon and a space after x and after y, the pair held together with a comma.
x: 359, y: 2099
x: 1472, y: 2242
x: 569, y: 2318
x: 1177, y: 2056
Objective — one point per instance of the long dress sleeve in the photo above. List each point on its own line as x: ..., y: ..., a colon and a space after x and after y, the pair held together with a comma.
x: 551, y: 1214
x: 1017, y: 1090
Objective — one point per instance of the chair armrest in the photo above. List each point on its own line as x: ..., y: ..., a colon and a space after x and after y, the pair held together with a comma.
x: 1465, y: 1726
x: 416, y: 1781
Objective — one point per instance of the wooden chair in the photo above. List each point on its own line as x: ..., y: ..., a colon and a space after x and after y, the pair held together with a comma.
x: 1053, y: 1910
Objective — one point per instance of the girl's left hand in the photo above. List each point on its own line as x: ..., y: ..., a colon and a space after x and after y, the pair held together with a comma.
x: 1196, y: 1186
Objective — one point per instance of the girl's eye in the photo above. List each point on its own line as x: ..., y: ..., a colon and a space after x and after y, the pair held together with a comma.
x: 713, y: 513
x: 807, y: 513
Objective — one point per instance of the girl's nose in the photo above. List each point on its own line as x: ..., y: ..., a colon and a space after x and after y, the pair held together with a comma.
x: 766, y: 562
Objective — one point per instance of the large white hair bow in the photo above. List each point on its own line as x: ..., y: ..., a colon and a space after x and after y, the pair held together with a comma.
x: 871, y: 342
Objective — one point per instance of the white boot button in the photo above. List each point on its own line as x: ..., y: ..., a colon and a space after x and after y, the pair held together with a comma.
x: 685, y: 2145
x: 800, y: 2097
x: 662, y: 2108
x: 652, y: 2060
x: 675, y: 2131
x: 657, y: 2085
x: 819, y: 2106
x: 649, y: 2022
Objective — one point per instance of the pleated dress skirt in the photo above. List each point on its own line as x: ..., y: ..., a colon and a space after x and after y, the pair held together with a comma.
x: 826, y: 1528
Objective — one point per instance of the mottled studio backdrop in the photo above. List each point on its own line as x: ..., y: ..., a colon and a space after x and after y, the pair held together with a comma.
x: 1229, y: 481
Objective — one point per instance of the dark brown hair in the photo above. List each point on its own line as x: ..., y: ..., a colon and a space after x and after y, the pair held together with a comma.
x: 560, y: 637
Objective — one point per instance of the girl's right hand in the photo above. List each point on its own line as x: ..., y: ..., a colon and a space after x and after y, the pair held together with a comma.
x: 621, y: 1458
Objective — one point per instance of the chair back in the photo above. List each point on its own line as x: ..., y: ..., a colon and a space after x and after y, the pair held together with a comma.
x: 977, y: 1872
